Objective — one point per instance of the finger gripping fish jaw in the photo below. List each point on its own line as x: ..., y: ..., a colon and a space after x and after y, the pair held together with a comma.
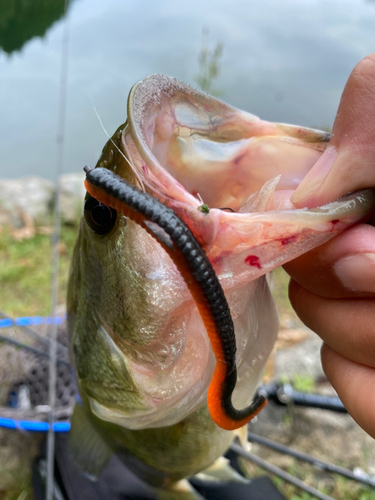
x: 200, y: 277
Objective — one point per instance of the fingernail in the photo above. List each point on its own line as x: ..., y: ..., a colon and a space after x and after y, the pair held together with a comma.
x: 357, y: 272
x: 307, y: 192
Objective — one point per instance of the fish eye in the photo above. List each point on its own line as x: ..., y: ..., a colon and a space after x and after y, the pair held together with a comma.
x: 99, y: 217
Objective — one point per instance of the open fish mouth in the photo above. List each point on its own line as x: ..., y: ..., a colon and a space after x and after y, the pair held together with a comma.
x: 211, y: 149
x: 229, y: 176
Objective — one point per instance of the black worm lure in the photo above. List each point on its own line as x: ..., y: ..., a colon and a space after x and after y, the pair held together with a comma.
x: 191, y: 261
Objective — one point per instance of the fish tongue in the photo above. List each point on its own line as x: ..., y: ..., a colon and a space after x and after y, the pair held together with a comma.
x: 262, y: 200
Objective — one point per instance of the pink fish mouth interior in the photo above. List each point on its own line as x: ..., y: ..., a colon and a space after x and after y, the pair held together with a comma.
x: 219, y: 154
x: 225, y: 174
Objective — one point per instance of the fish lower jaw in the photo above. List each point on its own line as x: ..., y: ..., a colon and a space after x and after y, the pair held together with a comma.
x: 150, y: 417
x: 118, y: 417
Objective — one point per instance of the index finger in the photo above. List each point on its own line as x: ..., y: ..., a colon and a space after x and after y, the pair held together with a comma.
x: 349, y: 163
x: 344, y: 267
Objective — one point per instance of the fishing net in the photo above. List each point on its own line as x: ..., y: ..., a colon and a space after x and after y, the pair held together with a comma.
x: 24, y: 395
x: 24, y: 372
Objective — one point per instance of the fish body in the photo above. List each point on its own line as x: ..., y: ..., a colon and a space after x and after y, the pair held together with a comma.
x: 142, y: 357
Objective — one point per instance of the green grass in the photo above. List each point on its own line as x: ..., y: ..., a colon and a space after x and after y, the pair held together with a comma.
x: 25, y: 272
x: 303, y: 383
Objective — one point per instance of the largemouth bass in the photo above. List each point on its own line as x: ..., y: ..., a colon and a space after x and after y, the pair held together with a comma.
x: 142, y: 357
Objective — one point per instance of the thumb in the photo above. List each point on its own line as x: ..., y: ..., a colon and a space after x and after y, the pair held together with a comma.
x: 348, y: 164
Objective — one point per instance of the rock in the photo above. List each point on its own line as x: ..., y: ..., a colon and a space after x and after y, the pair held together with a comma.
x: 72, y: 196
x: 30, y: 195
x: 32, y: 199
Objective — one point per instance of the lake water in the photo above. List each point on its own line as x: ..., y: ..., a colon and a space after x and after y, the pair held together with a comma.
x: 282, y: 60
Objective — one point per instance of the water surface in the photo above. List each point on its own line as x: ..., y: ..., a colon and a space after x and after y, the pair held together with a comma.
x: 284, y: 61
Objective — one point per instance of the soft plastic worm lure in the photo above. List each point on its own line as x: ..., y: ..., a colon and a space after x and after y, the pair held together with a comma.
x: 200, y: 277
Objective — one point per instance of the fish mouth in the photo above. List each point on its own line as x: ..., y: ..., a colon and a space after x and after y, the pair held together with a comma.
x: 230, y: 176
x: 192, y: 147
x: 200, y: 156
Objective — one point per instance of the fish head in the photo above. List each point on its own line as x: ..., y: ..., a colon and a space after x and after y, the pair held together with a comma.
x: 140, y: 349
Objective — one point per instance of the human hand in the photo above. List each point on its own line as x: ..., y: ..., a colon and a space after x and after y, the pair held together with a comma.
x: 333, y: 286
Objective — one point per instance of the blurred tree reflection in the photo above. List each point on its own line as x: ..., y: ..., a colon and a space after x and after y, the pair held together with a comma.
x: 209, y: 64
x: 22, y: 20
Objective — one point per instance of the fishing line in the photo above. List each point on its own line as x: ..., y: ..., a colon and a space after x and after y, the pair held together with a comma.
x: 60, y: 140
x: 115, y: 145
